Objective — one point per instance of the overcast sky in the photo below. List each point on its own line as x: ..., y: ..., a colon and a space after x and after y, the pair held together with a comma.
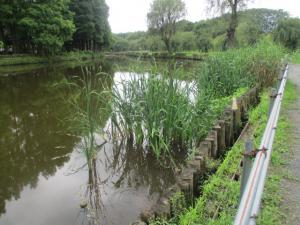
x: 130, y: 15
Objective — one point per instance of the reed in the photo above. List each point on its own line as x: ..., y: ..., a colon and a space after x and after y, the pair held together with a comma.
x: 155, y: 111
x: 88, y: 95
x: 151, y: 110
x: 224, y: 73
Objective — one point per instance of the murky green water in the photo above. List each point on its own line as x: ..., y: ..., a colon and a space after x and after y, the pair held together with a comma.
x: 43, y: 177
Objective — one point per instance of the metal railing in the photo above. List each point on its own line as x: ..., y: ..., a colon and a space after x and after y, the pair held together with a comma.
x: 254, y: 184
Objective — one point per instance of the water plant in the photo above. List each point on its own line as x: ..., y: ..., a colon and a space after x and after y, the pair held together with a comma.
x: 88, y: 95
x: 162, y: 114
x: 151, y: 110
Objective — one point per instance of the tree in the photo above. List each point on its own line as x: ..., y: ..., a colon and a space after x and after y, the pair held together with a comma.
x: 92, y: 27
x: 35, y: 26
x: 221, y: 6
x: 204, y: 44
x: 288, y: 33
x: 48, y: 25
x: 163, y: 16
x: 247, y: 34
x: 11, y: 11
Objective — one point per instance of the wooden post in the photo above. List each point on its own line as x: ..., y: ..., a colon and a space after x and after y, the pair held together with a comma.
x: 228, y: 127
x: 205, y: 148
x: 212, y: 138
x: 217, y: 129
x: 236, y: 118
x: 221, y: 142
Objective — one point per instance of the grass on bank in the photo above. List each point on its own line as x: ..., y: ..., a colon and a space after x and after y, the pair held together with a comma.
x: 219, y: 201
x: 295, y: 57
x: 23, y: 59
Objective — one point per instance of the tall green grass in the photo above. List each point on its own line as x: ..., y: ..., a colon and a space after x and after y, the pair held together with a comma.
x: 151, y: 110
x: 220, y: 196
x: 87, y: 98
x: 163, y: 114
x: 225, y: 72
x: 295, y: 57
x: 160, y: 113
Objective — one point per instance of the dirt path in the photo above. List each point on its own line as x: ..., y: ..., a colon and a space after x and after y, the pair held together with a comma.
x: 291, y: 186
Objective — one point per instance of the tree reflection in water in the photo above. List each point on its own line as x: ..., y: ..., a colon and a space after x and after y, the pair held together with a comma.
x: 125, y: 168
x: 35, y: 144
x: 125, y: 165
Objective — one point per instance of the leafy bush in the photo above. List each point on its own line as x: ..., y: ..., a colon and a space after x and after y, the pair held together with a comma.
x: 288, y: 33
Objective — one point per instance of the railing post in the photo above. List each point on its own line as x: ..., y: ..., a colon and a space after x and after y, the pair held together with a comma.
x: 273, y: 95
x: 247, y: 165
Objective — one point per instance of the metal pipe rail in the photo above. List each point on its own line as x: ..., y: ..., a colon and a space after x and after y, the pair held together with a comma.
x: 251, y: 198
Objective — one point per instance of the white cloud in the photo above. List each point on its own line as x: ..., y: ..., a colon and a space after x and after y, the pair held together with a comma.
x: 130, y: 15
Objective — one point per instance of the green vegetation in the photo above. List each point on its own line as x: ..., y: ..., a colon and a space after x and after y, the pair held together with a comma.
x: 232, y: 5
x: 271, y: 203
x: 92, y: 27
x: 205, y: 35
x: 22, y: 59
x: 44, y: 27
x: 223, y: 73
x: 163, y: 16
x: 47, y: 27
x: 87, y: 97
x: 220, y: 194
x: 295, y: 57
x: 166, y: 114
x: 288, y: 33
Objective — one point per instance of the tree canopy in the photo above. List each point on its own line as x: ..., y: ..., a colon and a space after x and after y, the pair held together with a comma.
x: 93, y: 31
x: 288, y: 33
x: 49, y: 26
x: 163, y: 16
x: 205, y: 35
x: 222, y: 6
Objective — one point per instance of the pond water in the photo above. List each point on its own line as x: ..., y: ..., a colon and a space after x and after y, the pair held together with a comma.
x: 43, y: 174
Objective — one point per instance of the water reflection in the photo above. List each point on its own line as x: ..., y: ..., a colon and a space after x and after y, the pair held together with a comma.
x: 39, y: 155
x: 31, y: 140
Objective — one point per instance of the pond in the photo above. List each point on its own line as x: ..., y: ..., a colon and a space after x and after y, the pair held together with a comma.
x: 43, y: 174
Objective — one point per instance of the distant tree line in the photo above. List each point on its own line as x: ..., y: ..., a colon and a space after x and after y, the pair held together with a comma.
x: 210, y: 34
x: 47, y: 27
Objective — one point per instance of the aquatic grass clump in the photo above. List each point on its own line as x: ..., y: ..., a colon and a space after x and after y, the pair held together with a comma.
x: 163, y: 113
x: 157, y: 111
x: 87, y: 97
x: 152, y: 110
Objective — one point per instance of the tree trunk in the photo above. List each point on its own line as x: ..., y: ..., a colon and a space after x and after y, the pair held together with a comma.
x: 1, y: 33
x: 230, y: 38
x: 168, y: 44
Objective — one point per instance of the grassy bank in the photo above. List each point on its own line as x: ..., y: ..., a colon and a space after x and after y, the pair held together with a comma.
x: 9, y: 60
x: 219, y: 200
x: 295, y: 57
